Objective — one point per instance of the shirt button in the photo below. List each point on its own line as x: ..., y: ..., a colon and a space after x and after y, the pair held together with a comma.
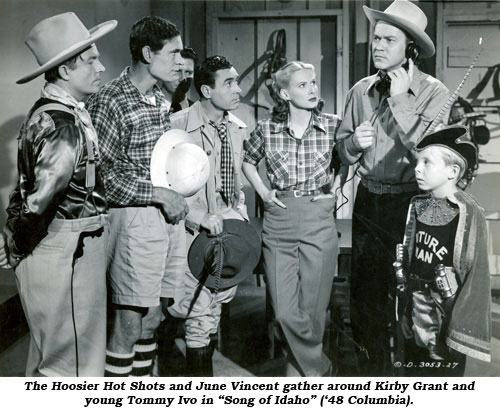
x: 209, y: 152
x: 382, y: 120
x: 300, y: 163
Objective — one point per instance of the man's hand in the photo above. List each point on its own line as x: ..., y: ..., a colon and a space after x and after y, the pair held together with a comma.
x: 173, y: 205
x: 401, y: 79
x: 5, y: 259
x: 4, y: 254
x: 364, y: 135
x: 213, y: 223
x: 270, y: 197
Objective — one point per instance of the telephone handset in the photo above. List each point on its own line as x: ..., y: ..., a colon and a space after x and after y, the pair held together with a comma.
x: 412, y: 52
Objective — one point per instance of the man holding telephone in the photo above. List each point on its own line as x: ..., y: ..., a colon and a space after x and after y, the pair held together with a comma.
x: 386, y: 114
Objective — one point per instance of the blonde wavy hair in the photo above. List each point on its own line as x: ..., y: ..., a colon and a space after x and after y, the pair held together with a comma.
x: 281, y: 80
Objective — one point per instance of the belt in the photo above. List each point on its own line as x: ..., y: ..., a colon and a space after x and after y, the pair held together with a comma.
x: 302, y: 193
x: 418, y: 284
x: 381, y: 188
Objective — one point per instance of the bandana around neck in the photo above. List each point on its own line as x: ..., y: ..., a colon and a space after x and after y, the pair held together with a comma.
x: 54, y: 92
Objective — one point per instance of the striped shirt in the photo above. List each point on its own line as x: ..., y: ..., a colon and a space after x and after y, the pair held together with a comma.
x: 128, y: 125
x: 292, y: 163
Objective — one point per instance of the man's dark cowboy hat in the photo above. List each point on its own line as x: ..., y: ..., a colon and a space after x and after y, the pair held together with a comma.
x: 222, y: 261
x: 407, y: 17
x: 455, y: 138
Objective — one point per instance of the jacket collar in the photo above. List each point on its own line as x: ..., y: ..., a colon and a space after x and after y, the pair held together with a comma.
x: 198, y: 119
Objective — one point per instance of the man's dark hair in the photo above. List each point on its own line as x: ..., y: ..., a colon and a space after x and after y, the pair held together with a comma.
x: 204, y: 74
x: 150, y: 31
x: 189, y: 53
x: 52, y: 74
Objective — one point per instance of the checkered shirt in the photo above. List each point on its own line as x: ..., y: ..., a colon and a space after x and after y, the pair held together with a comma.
x: 128, y: 125
x: 291, y: 163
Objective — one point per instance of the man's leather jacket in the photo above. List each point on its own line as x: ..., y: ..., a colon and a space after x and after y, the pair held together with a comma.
x: 52, y: 156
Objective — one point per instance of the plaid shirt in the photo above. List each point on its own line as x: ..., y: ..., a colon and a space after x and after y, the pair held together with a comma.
x: 291, y: 163
x: 128, y: 125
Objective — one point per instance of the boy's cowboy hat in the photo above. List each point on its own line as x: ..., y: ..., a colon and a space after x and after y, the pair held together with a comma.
x: 222, y: 261
x: 455, y: 138
x: 59, y: 38
x: 178, y: 164
x: 407, y: 17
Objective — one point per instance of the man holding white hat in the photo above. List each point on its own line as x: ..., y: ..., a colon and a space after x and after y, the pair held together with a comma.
x: 220, y: 134
x: 147, y: 254
x: 57, y: 227
x: 385, y: 116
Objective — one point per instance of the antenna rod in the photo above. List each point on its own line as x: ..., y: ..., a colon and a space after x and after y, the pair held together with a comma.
x: 454, y: 96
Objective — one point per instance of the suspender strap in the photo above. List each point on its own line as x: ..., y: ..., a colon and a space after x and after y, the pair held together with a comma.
x: 90, y: 166
x: 51, y: 107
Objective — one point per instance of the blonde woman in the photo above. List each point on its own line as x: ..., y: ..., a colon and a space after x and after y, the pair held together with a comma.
x: 299, y: 235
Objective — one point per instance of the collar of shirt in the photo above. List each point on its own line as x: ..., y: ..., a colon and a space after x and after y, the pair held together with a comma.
x: 198, y: 118
x: 414, y: 85
x: 154, y: 98
x: 316, y: 122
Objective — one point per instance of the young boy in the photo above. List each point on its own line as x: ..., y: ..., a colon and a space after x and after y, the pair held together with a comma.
x: 448, y: 285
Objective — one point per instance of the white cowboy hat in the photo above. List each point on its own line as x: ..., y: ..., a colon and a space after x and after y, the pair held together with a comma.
x: 59, y: 38
x: 407, y: 17
x: 179, y: 165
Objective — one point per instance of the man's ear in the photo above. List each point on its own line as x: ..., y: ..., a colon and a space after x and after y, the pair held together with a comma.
x: 146, y: 54
x: 63, y: 72
x: 206, y: 90
x: 284, y: 94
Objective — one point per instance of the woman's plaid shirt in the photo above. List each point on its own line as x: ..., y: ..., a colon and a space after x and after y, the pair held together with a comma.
x: 291, y: 163
x: 128, y: 125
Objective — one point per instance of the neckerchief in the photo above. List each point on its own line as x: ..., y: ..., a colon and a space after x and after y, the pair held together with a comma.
x: 54, y: 92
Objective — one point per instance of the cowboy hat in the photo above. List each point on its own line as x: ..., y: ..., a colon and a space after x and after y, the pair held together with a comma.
x: 178, y: 164
x: 222, y: 261
x: 407, y: 17
x: 58, y: 38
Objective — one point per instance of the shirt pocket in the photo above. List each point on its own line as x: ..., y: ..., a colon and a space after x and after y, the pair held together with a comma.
x: 321, y: 165
x: 277, y: 164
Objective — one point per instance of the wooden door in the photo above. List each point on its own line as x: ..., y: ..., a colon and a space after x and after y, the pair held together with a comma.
x: 247, y: 39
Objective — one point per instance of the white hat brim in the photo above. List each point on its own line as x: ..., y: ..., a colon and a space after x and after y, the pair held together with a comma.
x: 95, y: 33
x: 418, y: 35
x: 162, y: 148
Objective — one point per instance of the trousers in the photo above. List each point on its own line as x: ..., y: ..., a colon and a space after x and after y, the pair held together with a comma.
x: 300, y: 249
x: 200, y: 306
x: 62, y: 286
x: 378, y: 224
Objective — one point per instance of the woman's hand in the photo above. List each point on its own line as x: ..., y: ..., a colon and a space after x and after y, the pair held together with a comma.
x: 270, y: 197
x: 322, y: 196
